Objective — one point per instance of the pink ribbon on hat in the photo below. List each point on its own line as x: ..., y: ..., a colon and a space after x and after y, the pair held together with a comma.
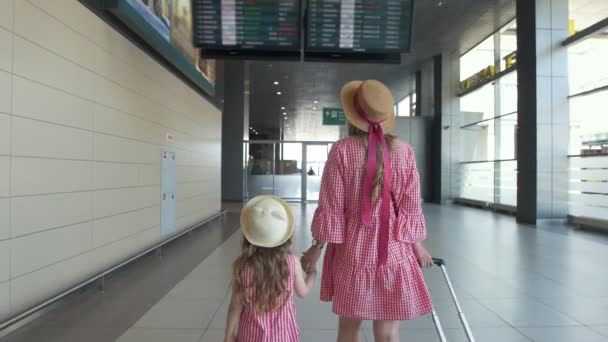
x: 376, y: 134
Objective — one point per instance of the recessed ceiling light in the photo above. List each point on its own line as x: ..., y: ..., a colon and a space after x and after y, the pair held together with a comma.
x: 282, y: 108
x: 284, y: 113
x: 314, y: 108
x: 276, y: 82
x: 316, y: 101
x: 279, y: 93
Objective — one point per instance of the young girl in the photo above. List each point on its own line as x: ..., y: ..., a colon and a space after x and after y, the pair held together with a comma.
x: 265, y: 275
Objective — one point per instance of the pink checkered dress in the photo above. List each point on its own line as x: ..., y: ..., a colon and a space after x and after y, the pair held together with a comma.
x: 275, y: 326
x: 352, y: 278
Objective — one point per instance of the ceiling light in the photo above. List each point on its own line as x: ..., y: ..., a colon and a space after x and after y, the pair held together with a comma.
x: 276, y: 82
x: 279, y: 93
x: 314, y: 108
x: 316, y: 101
x: 284, y: 113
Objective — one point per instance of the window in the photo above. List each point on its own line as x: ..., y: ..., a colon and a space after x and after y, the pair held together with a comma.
x: 588, y: 97
x: 588, y: 82
x: 508, y: 43
x: 584, y: 13
x: 488, y: 120
x: 407, y: 105
x: 478, y: 58
x: 404, y: 106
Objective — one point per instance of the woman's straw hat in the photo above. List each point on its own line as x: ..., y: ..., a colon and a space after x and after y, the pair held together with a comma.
x: 374, y: 99
x: 267, y: 221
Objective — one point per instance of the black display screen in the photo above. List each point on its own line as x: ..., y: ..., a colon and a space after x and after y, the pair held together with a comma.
x: 262, y: 25
x: 358, y: 26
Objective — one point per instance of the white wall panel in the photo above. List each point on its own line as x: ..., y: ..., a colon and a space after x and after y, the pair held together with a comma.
x: 149, y: 175
x: 33, y: 138
x: 83, y: 119
x: 4, y: 176
x: 5, y: 92
x: 36, y: 63
x: 31, y: 214
x: 5, y: 299
x: 36, y: 26
x: 5, y: 230
x: 6, y: 50
x: 113, y: 122
x: 5, y: 134
x: 4, y: 260
x: 120, y: 150
x: 37, y: 101
x: 6, y: 15
x: 33, y: 176
x: 35, y: 251
x: 115, y: 175
x: 118, y: 227
x: 112, y: 202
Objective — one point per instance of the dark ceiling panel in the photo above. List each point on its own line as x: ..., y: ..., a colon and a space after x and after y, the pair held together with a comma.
x: 446, y: 25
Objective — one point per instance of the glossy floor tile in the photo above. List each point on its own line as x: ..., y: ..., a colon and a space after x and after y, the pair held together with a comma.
x: 503, y: 273
x: 516, y: 284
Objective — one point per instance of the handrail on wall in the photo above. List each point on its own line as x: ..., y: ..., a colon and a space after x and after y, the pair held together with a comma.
x: 22, y: 319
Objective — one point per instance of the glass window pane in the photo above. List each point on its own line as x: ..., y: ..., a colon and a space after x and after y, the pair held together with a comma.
x: 288, y: 179
x: 508, y: 93
x: 404, y: 107
x: 588, y: 121
x: 584, y: 13
x: 587, y: 65
x: 478, y: 105
x: 477, y: 59
x: 505, y: 130
x: 508, y: 43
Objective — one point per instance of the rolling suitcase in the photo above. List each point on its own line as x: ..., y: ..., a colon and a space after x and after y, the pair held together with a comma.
x: 441, y: 264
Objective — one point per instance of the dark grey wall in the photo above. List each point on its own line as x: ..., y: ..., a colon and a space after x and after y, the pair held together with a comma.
x: 543, y: 111
x: 234, y: 129
x: 415, y: 131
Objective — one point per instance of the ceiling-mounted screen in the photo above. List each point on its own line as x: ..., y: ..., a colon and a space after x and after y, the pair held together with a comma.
x: 166, y: 26
x: 359, y: 26
x: 247, y: 27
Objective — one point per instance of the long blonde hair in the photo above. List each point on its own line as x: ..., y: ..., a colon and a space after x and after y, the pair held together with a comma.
x: 268, y: 287
x: 363, y: 137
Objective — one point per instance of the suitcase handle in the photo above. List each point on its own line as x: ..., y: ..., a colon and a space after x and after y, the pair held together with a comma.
x: 438, y: 261
x: 441, y: 264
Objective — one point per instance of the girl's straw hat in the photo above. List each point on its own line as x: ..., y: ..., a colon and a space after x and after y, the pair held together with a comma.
x: 267, y: 221
x: 372, y: 98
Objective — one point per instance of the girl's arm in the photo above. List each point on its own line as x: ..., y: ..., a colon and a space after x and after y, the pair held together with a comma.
x: 304, y: 281
x: 234, y: 313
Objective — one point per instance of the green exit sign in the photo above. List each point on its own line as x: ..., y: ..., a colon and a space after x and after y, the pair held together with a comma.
x: 333, y: 117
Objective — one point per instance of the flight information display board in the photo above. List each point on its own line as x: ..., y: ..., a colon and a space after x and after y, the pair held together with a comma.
x: 375, y: 26
x: 263, y: 25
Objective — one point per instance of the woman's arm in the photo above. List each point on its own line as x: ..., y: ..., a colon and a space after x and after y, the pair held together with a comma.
x: 234, y: 313
x: 304, y: 280
x: 311, y: 256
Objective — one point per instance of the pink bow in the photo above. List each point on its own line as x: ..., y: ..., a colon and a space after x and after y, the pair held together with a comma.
x: 376, y: 134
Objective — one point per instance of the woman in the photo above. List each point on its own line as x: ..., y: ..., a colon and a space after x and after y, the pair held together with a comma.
x: 371, y: 219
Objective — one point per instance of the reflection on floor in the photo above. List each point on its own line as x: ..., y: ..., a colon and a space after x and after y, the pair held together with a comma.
x: 516, y: 284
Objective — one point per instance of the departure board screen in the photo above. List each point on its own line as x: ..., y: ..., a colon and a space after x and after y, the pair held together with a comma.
x: 265, y: 25
x: 378, y: 26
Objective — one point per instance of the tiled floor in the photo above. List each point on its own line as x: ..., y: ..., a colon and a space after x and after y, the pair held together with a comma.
x: 516, y: 284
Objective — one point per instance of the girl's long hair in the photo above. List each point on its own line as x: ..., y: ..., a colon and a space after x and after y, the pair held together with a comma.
x: 261, y: 276
x: 363, y: 137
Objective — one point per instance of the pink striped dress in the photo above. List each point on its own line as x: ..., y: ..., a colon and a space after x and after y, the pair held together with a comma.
x: 353, y: 279
x: 275, y: 326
